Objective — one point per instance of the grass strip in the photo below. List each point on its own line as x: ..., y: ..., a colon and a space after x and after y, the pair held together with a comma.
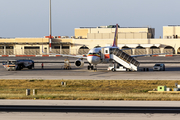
x: 87, y: 89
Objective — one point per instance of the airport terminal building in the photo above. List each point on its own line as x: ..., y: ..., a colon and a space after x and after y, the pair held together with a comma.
x: 86, y: 38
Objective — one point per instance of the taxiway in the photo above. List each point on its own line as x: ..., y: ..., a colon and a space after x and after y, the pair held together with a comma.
x: 55, y: 71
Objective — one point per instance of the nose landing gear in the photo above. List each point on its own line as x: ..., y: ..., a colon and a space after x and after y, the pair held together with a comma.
x: 95, y: 68
x: 91, y: 67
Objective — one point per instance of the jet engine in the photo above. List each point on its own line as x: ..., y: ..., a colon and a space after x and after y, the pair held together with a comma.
x: 79, y: 63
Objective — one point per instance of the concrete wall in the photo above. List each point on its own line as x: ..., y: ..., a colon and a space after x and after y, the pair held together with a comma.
x: 121, y: 30
x: 105, y: 33
x: 31, y: 40
x: 170, y: 31
x: 63, y: 40
x: 120, y: 35
x: 24, y: 40
x: 2, y: 40
x: 91, y: 43
x: 81, y: 32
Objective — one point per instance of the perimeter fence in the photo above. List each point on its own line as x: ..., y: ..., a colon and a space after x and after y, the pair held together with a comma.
x: 78, y: 51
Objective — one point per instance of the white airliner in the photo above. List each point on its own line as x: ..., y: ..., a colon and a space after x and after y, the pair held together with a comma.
x: 106, y: 55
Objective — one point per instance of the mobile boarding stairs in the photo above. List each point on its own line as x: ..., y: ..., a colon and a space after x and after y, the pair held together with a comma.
x: 121, y: 57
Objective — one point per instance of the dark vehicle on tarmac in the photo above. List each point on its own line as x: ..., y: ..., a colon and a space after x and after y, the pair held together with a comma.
x: 18, y: 64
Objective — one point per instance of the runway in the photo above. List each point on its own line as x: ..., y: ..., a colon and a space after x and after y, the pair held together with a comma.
x: 88, y: 109
x: 77, y: 115
x: 86, y: 116
x: 54, y: 71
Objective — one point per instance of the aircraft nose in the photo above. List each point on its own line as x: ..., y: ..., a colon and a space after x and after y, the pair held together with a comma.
x: 90, y: 58
x: 93, y: 59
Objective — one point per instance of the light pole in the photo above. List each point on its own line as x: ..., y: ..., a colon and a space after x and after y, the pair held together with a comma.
x: 50, y: 28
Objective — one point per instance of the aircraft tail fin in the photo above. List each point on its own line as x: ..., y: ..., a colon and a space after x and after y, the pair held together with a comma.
x: 115, y: 37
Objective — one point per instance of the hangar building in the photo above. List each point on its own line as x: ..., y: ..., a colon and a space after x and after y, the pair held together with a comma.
x: 86, y: 38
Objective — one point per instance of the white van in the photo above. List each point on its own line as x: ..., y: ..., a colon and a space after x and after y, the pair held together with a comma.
x: 159, y: 67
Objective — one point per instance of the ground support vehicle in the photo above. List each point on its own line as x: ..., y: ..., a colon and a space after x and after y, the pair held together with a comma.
x: 10, y: 65
x: 18, y: 64
x: 116, y: 67
x: 67, y: 64
x: 159, y: 67
x: 25, y: 64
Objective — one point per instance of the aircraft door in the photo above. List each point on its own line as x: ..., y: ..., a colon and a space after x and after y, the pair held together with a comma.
x: 106, y: 53
x: 102, y: 54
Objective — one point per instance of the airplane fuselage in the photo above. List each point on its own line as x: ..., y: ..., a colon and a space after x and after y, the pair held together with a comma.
x: 99, y: 55
x: 94, y: 56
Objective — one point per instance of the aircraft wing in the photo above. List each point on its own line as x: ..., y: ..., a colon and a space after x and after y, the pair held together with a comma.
x: 149, y: 54
x: 72, y: 56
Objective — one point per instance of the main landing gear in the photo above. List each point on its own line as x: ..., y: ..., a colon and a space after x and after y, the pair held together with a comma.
x: 91, y: 67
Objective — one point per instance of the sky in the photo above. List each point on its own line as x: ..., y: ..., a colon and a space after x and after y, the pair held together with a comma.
x: 30, y: 18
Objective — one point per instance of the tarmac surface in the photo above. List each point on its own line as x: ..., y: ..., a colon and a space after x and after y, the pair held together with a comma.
x: 55, y: 71
x: 88, y: 115
x: 91, y: 103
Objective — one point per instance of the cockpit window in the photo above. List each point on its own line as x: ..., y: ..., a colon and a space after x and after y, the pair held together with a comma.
x: 93, y: 53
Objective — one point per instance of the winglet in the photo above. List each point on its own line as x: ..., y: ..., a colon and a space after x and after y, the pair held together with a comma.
x: 115, y: 37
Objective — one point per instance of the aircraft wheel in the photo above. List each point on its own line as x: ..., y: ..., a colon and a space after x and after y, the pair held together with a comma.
x: 13, y: 69
x: 88, y: 67
x: 113, y: 70
x: 30, y: 67
x: 18, y: 68
x: 21, y: 67
x: 92, y: 67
